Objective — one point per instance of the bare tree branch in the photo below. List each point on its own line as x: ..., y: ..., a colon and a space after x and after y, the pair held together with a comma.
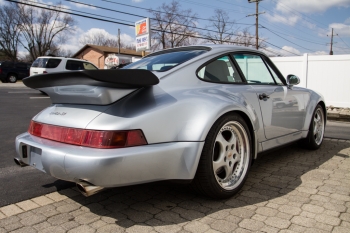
x: 174, y: 26
x: 103, y: 39
x: 41, y: 27
x: 9, y: 32
x: 221, y: 23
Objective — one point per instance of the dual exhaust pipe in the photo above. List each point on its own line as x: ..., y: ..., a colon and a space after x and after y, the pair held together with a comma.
x: 84, y: 187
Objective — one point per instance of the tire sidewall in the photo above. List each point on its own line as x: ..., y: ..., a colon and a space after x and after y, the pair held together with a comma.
x: 311, y: 138
x: 208, y: 153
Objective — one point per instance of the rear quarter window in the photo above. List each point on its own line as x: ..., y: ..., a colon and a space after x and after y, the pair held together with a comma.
x: 164, y: 61
x: 53, y: 63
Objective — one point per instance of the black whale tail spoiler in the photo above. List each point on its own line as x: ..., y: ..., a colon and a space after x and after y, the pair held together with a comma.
x: 98, y: 87
x: 102, y: 78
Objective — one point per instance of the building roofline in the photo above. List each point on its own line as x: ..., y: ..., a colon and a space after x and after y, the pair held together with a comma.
x: 106, y: 49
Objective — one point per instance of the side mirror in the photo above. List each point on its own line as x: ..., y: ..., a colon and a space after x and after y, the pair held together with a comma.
x: 292, y: 80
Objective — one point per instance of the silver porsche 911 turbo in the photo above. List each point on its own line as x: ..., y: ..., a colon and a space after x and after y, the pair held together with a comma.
x: 197, y: 113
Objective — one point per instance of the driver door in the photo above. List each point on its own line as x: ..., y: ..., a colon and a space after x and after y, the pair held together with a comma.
x: 282, y: 111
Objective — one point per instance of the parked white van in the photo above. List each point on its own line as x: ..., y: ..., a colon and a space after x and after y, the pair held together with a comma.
x: 48, y: 64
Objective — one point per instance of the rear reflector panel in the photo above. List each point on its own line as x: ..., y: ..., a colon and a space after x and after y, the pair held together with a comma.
x: 88, y: 138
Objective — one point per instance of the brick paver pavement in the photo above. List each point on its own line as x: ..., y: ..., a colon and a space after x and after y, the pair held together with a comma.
x: 289, y: 190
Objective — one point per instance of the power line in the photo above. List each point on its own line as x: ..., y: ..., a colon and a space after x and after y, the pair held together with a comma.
x: 211, y: 6
x: 141, y: 16
x: 281, y: 48
x: 285, y: 6
x: 55, y: 8
x: 313, y: 42
x: 343, y: 42
x: 149, y: 9
x: 286, y: 39
x: 110, y: 21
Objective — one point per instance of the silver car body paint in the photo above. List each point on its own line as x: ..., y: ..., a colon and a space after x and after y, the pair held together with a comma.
x: 175, y: 117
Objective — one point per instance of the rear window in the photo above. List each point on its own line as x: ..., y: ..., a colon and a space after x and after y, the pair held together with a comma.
x: 46, y: 62
x: 164, y: 61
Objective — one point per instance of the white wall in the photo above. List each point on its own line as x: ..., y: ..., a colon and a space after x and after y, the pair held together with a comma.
x: 326, y: 74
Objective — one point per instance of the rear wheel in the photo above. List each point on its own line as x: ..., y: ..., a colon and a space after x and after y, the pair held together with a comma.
x: 12, y: 78
x: 314, y: 138
x: 225, y: 159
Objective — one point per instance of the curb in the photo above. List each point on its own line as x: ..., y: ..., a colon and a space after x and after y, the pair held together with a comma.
x: 338, y: 114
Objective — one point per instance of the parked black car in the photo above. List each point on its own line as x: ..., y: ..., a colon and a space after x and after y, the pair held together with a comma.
x: 13, y: 71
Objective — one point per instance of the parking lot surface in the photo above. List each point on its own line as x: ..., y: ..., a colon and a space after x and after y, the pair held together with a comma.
x: 288, y: 190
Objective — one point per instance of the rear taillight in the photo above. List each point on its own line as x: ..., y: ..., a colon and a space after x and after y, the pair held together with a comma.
x: 0, y: 70
x: 88, y: 138
x: 44, y: 72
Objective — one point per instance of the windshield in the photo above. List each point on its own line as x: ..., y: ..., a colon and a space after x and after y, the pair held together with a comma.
x: 164, y: 61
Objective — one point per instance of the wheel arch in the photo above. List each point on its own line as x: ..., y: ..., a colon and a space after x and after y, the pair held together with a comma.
x: 323, y: 105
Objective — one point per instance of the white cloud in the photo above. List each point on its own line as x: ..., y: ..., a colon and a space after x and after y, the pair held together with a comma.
x: 286, y: 51
x: 309, y: 6
x: 137, y: 0
x: 78, y: 5
x: 319, y: 53
x: 125, y: 38
x: 289, y: 20
x: 341, y: 29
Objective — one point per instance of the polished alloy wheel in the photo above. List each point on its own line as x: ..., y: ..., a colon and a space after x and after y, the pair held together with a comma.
x: 318, y: 126
x: 231, y: 155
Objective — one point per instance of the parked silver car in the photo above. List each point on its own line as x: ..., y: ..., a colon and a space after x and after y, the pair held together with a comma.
x: 198, y: 113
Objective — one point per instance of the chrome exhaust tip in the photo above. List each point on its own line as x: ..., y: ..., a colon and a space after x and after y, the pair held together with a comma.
x: 20, y: 163
x: 88, y: 189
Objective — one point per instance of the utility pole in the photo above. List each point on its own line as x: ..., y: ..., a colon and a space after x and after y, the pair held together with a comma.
x: 331, y: 51
x: 118, y: 41
x: 256, y: 21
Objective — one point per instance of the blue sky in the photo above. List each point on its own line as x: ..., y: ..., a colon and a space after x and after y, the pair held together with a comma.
x: 291, y: 27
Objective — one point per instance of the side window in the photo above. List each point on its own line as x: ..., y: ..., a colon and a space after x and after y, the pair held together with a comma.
x: 89, y: 66
x: 254, y: 69
x: 52, y: 63
x: 74, y: 65
x: 220, y: 70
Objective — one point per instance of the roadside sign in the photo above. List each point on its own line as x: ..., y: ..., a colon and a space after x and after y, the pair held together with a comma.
x: 142, y: 32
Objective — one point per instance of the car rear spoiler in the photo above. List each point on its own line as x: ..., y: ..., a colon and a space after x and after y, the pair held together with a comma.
x: 97, y: 87
x: 101, y: 78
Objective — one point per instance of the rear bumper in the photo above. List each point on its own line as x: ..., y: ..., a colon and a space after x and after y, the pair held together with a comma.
x: 110, y: 167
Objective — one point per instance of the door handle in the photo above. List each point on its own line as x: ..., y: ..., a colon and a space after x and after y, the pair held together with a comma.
x: 263, y: 96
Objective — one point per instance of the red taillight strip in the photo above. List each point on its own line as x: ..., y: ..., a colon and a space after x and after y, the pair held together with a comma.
x: 88, y: 138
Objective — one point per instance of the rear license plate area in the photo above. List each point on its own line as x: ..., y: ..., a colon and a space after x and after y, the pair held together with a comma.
x: 35, y: 158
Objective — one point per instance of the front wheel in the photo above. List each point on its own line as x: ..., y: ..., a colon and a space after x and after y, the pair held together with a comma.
x: 225, y: 159
x: 314, y: 138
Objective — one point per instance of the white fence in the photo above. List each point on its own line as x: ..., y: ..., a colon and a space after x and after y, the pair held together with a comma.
x: 328, y: 75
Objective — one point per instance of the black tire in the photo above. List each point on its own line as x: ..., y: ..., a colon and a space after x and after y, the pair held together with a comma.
x: 228, y: 148
x: 315, y: 135
x: 12, y: 78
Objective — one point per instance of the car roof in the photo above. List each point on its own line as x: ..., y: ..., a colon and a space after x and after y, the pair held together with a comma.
x: 209, y: 47
x: 70, y: 58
